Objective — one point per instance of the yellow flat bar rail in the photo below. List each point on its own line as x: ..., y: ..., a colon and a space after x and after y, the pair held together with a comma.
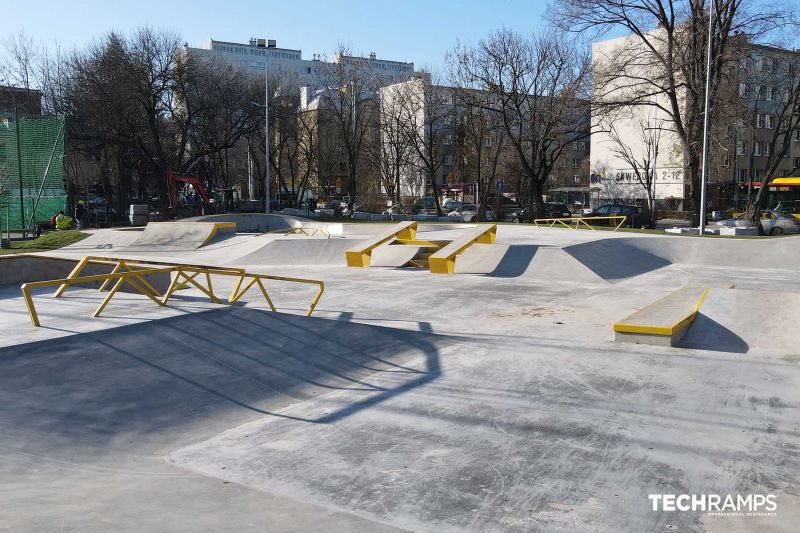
x: 361, y: 255
x: 308, y: 232
x: 579, y: 221
x: 667, y: 317
x: 132, y: 272
x: 444, y: 260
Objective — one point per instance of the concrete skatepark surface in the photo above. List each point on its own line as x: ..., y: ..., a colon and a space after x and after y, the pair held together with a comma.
x: 494, y: 399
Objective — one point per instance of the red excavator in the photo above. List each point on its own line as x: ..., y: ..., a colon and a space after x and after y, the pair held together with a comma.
x: 172, y: 181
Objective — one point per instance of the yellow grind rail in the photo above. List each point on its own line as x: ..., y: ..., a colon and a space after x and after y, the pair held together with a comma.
x: 132, y: 272
x: 361, y: 255
x: 308, y: 232
x: 443, y: 261
x: 550, y: 222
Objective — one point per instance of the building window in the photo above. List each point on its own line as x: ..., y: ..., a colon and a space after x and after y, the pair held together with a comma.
x: 743, y: 90
x: 741, y: 175
x: 770, y: 94
x: 757, y: 148
x: 797, y: 162
x: 796, y: 135
x: 759, y: 121
x: 741, y: 147
x: 576, y: 180
x: 576, y: 163
x: 743, y: 122
x: 769, y: 122
x: 448, y: 160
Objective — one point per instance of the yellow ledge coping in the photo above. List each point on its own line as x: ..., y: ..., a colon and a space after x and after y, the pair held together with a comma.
x: 629, y: 324
x: 444, y: 260
x: 361, y: 255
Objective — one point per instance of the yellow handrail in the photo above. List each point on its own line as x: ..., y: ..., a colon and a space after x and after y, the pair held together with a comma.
x: 133, y: 272
x: 578, y: 221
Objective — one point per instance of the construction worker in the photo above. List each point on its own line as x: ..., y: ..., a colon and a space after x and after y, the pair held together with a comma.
x: 80, y: 214
x: 63, y: 221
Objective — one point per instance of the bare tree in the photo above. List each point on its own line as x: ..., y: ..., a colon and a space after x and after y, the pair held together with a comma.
x: 18, y: 63
x: 484, y: 137
x: 393, y: 149
x: 641, y: 160
x: 427, y: 115
x: 349, y: 102
x: 663, y: 64
x: 539, y: 87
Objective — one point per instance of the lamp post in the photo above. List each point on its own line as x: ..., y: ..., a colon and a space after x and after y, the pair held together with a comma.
x: 266, y: 132
x: 706, y: 119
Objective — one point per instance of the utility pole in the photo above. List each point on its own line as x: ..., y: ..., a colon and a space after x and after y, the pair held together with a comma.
x: 706, y: 119
x: 266, y: 133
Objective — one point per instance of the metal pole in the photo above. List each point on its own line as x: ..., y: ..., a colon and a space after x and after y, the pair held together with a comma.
x: 706, y: 119
x: 266, y: 136
x: 19, y: 170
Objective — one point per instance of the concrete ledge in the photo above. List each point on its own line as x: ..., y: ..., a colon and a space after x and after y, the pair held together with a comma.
x: 444, y: 261
x: 360, y: 256
x: 665, y: 321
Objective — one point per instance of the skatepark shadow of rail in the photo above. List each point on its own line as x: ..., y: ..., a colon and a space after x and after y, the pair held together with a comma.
x: 216, y: 368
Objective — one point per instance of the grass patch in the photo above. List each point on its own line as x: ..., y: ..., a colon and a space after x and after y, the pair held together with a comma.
x: 48, y: 241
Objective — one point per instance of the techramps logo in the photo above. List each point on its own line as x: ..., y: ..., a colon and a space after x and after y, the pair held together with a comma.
x: 720, y: 505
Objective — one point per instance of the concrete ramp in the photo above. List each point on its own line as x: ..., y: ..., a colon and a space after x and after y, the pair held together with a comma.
x: 175, y: 236
x: 300, y: 251
x: 105, y: 240
x: 747, y: 321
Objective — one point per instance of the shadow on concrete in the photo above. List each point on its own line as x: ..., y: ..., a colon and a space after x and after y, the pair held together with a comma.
x: 615, y: 259
x: 707, y: 334
x: 515, y: 261
x: 214, y: 369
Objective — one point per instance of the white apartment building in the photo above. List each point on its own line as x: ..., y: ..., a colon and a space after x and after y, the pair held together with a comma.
x: 258, y: 53
x: 613, y: 174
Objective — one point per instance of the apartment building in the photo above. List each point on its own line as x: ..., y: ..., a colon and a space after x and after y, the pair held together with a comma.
x: 757, y: 84
x: 258, y: 55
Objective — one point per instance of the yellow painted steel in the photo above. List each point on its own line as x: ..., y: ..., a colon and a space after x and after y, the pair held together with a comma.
x: 133, y: 272
x: 444, y: 260
x: 308, y: 232
x: 650, y: 329
x: 218, y: 226
x: 550, y: 222
x: 361, y: 255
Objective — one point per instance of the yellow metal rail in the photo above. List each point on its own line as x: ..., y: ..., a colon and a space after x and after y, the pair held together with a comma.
x: 308, y: 232
x: 444, y: 260
x: 361, y: 255
x: 133, y: 272
x: 550, y: 222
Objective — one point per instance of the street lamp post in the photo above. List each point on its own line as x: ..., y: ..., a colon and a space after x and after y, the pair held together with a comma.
x: 266, y: 132
x: 706, y: 119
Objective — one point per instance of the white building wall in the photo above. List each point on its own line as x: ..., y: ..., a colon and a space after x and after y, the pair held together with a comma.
x: 616, y: 177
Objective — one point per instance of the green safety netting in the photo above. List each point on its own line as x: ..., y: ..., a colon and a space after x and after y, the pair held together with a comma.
x: 37, y: 142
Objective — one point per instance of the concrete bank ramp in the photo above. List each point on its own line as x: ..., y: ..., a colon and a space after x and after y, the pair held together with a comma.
x: 253, y: 222
x: 617, y: 259
x: 105, y: 239
x: 525, y: 261
x: 300, y: 251
x: 166, y: 236
x: 748, y: 322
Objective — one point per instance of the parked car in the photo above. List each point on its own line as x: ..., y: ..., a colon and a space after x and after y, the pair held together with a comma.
x: 551, y: 210
x: 777, y: 223
x: 635, y: 216
x: 469, y: 212
x: 450, y: 204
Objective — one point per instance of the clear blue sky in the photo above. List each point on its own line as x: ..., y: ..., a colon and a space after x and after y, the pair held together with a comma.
x: 411, y: 30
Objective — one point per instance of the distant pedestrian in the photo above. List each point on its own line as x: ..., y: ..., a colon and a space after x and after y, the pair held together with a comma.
x: 80, y: 214
x: 63, y: 222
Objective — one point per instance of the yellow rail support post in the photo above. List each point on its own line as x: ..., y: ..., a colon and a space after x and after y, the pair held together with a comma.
x: 444, y: 260
x: 361, y: 255
x: 578, y: 221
